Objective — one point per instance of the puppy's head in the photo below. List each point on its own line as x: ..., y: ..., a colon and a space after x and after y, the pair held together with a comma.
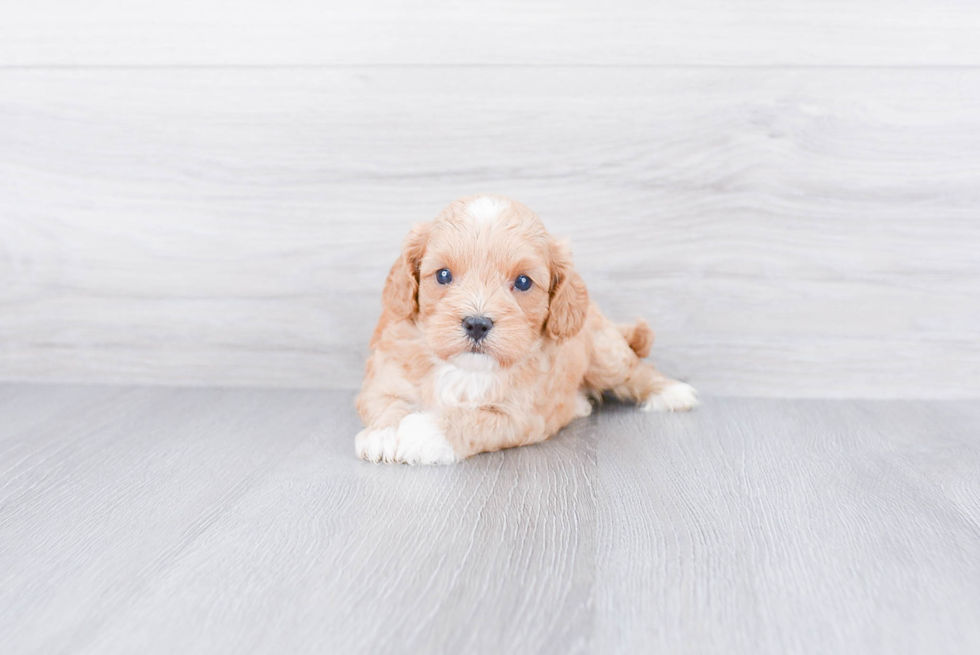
x: 485, y: 277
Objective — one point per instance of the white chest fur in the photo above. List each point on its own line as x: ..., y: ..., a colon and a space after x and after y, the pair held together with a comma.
x: 466, y: 379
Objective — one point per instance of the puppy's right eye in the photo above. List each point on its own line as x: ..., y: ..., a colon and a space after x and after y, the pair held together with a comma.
x: 443, y: 276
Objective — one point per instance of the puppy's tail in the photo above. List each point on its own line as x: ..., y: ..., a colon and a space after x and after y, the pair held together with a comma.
x: 638, y: 335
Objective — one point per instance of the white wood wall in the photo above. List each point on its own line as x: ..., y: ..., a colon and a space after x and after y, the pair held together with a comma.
x: 211, y: 192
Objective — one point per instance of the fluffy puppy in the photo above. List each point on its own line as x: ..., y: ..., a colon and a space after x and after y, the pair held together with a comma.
x: 487, y: 340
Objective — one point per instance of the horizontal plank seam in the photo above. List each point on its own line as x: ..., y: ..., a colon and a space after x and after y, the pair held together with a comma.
x: 94, y: 67
x: 352, y: 390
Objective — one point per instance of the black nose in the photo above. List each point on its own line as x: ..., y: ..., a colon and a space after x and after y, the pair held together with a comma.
x: 477, y: 326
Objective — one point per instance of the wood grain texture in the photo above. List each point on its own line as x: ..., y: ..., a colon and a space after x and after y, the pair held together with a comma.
x: 167, y: 520
x: 496, y: 32
x: 787, y: 232
x: 774, y: 527
x: 99, y: 500
x: 239, y: 521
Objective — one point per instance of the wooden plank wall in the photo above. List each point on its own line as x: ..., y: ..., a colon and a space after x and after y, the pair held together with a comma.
x: 210, y: 193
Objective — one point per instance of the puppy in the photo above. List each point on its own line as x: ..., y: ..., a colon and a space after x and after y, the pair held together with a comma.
x: 487, y: 340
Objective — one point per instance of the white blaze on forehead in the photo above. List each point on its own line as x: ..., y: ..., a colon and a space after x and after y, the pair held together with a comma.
x: 485, y: 208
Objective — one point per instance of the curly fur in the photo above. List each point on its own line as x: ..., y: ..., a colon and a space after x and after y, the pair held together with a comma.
x: 433, y: 395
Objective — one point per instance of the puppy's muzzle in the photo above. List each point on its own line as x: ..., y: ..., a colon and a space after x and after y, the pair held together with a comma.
x: 477, y: 327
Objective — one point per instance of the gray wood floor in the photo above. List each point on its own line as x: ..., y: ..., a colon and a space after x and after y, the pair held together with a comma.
x: 214, y: 520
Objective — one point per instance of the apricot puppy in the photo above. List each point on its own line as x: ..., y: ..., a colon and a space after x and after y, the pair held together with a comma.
x: 487, y: 340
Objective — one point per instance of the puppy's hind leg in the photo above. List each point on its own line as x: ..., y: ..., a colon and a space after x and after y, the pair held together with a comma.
x: 617, y: 368
x: 654, y: 391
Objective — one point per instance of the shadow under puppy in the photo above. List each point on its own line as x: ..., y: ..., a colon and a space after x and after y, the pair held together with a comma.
x: 487, y: 340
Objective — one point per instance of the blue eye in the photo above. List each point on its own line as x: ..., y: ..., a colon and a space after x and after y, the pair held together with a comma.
x: 522, y: 283
x: 443, y: 276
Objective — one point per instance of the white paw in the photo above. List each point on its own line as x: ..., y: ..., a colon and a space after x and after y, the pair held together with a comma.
x: 420, y: 441
x: 376, y: 445
x: 676, y: 397
x: 583, y: 407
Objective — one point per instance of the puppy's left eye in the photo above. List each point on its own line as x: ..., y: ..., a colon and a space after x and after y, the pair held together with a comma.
x: 522, y: 283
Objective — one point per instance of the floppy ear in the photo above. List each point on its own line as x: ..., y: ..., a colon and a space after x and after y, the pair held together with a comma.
x: 401, y: 292
x: 569, y: 302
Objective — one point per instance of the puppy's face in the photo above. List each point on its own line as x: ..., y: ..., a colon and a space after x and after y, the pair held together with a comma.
x: 488, y: 279
x: 484, y: 282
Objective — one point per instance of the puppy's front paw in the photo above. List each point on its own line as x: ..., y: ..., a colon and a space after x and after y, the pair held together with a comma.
x: 421, y: 441
x: 376, y: 445
x: 676, y: 397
